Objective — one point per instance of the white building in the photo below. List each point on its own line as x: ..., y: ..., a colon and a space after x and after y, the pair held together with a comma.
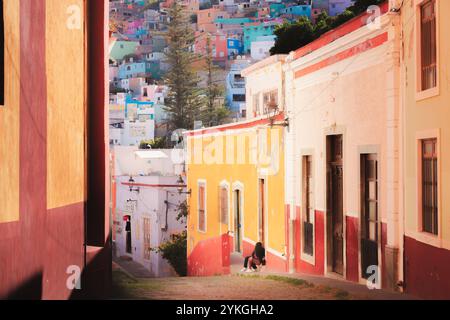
x: 133, y: 84
x: 146, y: 202
x: 155, y: 56
x: 226, y: 2
x: 115, y: 135
x: 235, y: 86
x: 134, y: 131
x: 260, y: 49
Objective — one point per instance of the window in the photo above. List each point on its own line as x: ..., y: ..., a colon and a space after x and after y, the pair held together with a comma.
x: 238, y: 78
x: 239, y: 97
x: 428, y: 45
x: 369, y: 213
x: 308, y: 226
x: 256, y: 110
x: 201, y: 208
x: 223, y: 201
x: 370, y: 196
x: 429, y: 186
x: 270, y: 100
x: 2, y: 56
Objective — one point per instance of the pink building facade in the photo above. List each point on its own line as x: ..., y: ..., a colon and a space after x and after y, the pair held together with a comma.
x: 343, y: 154
x: 218, y: 45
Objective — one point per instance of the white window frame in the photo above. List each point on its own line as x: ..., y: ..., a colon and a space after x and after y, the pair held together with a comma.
x: 432, y: 92
x: 431, y: 239
x: 238, y: 185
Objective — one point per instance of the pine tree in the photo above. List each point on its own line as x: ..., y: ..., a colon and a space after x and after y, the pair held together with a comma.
x: 214, y: 113
x: 184, y: 100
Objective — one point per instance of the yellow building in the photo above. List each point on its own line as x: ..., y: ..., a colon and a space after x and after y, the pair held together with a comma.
x: 236, y: 176
x: 426, y: 70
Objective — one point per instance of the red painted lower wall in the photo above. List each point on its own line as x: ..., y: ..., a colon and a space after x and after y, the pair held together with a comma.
x: 427, y: 270
x: 319, y: 245
x: 210, y: 257
x: 287, y: 236
x: 297, y: 239
x: 275, y: 263
x: 352, y: 248
x: 227, y: 245
x: 64, y: 242
x: 60, y: 246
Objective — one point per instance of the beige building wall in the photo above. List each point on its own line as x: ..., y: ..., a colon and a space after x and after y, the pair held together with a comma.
x: 264, y: 77
x: 427, y: 114
x: 350, y: 88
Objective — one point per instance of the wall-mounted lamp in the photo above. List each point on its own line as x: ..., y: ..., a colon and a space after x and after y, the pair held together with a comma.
x: 182, y: 186
x: 273, y: 112
x: 131, y: 181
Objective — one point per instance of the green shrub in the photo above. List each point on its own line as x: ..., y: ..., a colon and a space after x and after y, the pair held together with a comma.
x: 175, y: 252
x: 158, y: 143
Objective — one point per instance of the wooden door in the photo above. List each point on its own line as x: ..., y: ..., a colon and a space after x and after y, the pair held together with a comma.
x: 308, y: 207
x: 369, y: 213
x: 237, y: 220
x: 128, y: 236
x: 335, y: 203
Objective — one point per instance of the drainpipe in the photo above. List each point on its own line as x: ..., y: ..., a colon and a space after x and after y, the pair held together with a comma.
x: 289, y: 160
x: 166, y: 227
x: 393, y: 153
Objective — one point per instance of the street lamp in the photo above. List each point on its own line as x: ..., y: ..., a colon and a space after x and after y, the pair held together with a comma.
x: 272, y: 107
x: 182, y: 186
x: 131, y: 181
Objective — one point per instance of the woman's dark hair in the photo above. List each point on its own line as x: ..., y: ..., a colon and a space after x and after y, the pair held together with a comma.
x: 258, y: 244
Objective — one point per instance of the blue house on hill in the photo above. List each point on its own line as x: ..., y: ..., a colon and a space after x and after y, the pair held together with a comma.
x: 253, y: 32
x: 235, y: 47
x: 299, y: 10
x: 276, y: 8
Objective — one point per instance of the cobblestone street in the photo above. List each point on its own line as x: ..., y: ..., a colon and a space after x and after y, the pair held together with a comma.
x: 254, y: 286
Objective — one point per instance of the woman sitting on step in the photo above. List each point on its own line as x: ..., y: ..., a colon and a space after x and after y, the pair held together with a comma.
x: 257, y: 258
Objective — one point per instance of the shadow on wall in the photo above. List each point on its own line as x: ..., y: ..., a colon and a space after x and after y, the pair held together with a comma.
x: 96, y: 277
x: 29, y: 290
